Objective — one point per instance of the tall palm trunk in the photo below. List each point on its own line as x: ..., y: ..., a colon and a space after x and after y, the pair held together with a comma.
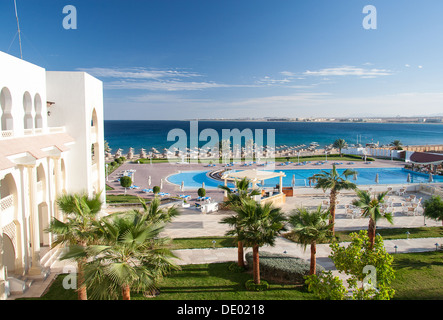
x: 312, y: 268
x: 240, y: 254
x: 81, y: 288
x: 332, y: 200
x: 126, y: 292
x: 256, y: 264
x: 371, y: 233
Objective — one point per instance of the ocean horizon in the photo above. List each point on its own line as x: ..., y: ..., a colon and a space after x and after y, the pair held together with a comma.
x: 149, y: 134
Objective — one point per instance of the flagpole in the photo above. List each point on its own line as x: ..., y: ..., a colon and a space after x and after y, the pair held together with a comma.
x: 18, y: 27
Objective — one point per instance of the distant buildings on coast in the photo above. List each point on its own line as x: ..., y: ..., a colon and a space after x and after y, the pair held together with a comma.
x: 434, y: 119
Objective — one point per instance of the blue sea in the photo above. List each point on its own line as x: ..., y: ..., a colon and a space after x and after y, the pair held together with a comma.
x: 154, y: 133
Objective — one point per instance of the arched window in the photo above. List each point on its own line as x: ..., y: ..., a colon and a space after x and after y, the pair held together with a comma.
x: 6, y: 106
x: 38, y: 111
x: 27, y: 107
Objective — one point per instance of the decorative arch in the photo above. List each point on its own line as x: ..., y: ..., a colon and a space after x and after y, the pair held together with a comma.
x: 38, y: 107
x: 9, y: 252
x: 6, y: 107
x: 94, y: 118
x: 27, y: 108
x: 9, y: 194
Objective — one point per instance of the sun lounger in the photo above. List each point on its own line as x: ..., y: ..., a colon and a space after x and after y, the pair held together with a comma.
x: 163, y: 194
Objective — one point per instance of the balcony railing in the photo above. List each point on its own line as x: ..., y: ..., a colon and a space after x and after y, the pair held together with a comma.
x: 7, y: 202
x: 7, y: 133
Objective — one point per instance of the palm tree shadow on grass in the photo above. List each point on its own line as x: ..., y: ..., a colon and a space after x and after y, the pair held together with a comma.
x: 416, y: 264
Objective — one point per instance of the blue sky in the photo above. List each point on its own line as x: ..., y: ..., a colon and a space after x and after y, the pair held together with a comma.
x: 181, y: 59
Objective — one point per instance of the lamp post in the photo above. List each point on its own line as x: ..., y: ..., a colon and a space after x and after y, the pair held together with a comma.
x: 395, y: 247
x: 407, y: 234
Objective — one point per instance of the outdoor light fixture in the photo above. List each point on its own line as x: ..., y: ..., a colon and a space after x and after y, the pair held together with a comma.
x: 407, y: 234
x: 436, y: 246
x: 395, y: 247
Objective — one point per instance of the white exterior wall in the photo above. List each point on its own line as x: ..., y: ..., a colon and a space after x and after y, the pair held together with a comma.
x: 76, y: 96
x: 22, y: 220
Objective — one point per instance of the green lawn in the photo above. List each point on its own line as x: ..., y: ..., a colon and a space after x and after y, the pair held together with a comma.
x: 389, y: 233
x: 121, y: 198
x: 215, y: 282
x: 418, y: 276
x: 203, y: 242
x: 199, y: 282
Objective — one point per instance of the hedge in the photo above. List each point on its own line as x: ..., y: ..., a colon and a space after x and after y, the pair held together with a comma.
x: 281, y: 267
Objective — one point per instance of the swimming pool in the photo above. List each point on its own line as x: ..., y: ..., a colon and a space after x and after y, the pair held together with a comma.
x: 365, y: 176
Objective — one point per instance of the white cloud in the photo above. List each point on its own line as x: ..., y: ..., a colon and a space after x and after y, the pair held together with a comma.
x: 137, y: 73
x: 349, y: 71
x: 169, y: 85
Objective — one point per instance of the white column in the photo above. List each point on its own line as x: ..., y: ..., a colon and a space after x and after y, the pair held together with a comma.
x: 34, y: 222
x: 281, y: 184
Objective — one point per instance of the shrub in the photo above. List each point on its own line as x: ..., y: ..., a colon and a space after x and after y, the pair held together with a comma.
x: 201, y: 192
x: 252, y: 286
x: 125, y: 181
x: 156, y: 189
x: 283, y: 268
x: 113, y: 163
x: 326, y: 286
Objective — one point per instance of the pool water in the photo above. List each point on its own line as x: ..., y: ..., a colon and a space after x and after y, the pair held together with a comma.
x: 365, y: 176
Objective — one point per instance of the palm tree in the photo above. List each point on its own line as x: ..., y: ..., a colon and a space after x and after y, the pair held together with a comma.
x: 80, y: 217
x: 130, y: 255
x: 155, y: 213
x: 397, y: 144
x: 311, y: 227
x: 260, y: 225
x: 334, y: 182
x: 433, y: 208
x: 340, y: 144
x: 233, y: 201
x: 372, y: 209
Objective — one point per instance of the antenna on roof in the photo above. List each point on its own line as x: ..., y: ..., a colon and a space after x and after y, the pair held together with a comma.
x: 18, y: 26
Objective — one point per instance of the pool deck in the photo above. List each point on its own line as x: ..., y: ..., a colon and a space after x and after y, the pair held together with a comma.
x: 159, y: 171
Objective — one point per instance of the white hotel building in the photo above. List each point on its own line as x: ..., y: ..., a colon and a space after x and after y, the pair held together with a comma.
x: 51, y: 142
